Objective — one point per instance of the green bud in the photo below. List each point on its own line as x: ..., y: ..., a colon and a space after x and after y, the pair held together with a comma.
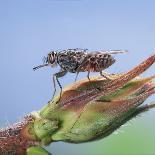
x: 44, y: 128
x: 90, y: 110
x: 37, y: 151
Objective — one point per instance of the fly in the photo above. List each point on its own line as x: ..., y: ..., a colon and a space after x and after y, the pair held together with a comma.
x: 79, y: 60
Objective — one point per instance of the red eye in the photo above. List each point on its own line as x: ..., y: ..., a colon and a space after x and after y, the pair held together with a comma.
x: 51, y: 58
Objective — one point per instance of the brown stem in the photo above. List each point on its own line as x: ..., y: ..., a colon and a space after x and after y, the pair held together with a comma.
x: 14, y: 140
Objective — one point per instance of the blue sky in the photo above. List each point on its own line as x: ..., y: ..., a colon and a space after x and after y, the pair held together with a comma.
x: 30, y: 29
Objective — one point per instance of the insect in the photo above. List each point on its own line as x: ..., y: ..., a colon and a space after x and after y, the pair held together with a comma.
x: 78, y: 60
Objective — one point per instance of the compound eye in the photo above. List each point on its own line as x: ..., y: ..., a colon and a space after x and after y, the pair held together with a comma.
x: 50, y: 58
x: 53, y: 54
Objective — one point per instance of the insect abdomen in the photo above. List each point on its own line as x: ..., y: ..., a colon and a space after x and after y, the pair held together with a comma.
x: 105, y: 61
x: 97, y: 62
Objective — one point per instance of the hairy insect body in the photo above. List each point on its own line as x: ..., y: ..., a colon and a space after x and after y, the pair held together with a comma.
x: 96, y: 62
x: 70, y: 60
x: 79, y: 60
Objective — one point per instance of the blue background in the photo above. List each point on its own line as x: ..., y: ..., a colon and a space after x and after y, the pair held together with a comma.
x: 30, y: 29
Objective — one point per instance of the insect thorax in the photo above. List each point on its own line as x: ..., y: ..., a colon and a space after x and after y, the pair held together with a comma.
x: 98, y: 61
x: 71, y: 59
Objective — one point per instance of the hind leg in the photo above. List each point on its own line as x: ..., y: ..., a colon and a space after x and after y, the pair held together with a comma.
x: 104, y: 75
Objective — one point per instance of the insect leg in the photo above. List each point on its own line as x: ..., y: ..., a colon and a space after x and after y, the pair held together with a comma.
x: 82, y: 68
x: 58, y: 75
x: 54, y: 86
x: 88, y: 75
x: 76, y: 76
x: 101, y: 73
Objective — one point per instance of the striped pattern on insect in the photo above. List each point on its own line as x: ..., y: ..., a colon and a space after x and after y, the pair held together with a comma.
x: 79, y: 60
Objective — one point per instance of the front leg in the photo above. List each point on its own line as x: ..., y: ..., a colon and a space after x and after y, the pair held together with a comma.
x: 58, y: 75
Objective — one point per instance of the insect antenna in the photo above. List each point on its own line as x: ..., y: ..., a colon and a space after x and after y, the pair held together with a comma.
x: 40, y: 66
x: 44, y: 59
x: 45, y: 63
